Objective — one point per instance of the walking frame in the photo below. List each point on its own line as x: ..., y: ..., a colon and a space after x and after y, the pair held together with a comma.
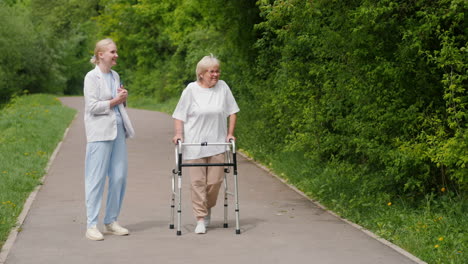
x: 177, y: 173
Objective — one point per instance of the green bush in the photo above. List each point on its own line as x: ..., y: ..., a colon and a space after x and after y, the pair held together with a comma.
x: 376, y: 85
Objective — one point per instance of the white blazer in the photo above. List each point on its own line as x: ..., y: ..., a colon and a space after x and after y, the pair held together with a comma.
x: 100, y: 119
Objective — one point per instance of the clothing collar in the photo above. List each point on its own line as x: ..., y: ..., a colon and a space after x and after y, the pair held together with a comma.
x: 100, y: 74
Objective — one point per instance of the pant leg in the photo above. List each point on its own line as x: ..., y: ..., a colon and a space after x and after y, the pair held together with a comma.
x: 118, y: 169
x: 215, y: 177
x: 205, y: 184
x: 198, y: 188
x: 96, y: 168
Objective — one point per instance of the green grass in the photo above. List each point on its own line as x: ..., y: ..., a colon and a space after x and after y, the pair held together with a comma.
x: 434, y: 228
x: 31, y: 126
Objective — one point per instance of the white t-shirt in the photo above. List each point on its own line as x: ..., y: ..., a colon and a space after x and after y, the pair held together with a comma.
x: 204, y: 112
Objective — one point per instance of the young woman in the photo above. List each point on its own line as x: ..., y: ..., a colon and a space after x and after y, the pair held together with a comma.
x: 107, y: 127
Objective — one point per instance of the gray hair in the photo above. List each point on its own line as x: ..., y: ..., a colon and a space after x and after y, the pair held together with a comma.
x: 100, y: 45
x: 205, y: 63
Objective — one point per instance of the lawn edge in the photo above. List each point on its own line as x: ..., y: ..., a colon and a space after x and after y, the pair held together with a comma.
x: 5, y: 250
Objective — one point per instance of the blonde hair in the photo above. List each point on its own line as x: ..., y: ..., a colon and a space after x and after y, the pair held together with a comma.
x: 205, y: 63
x: 100, y: 46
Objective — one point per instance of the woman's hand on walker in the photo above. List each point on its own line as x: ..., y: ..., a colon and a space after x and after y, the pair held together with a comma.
x: 177, y: 138
x: 229, y: 137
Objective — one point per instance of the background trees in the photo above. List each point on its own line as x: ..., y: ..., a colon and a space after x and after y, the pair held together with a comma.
x: 45, y: 45
x: 379, y: 87
x: 161, y: 41
x: 370, y: 84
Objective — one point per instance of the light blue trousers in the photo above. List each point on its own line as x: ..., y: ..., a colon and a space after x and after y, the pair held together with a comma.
x: 106, y: 158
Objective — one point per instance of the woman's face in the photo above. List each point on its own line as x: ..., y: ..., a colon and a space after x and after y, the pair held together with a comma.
x: 109, y: 56
x: 210, y: 77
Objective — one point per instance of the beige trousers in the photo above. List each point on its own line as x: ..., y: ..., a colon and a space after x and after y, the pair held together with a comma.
x: 205, y: 184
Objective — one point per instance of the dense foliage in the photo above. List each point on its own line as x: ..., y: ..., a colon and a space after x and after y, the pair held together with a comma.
x: 160, y: 42
x: 378, y: 86
x: 44, y: 45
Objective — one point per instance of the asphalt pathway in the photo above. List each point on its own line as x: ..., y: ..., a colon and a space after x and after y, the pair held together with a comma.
x: 278, y: 225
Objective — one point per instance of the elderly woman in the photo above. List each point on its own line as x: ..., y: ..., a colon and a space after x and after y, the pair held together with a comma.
x: 107, y: 126
x: 201, y: 116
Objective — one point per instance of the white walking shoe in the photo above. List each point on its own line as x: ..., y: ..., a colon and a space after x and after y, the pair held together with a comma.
x: 93, y: 233
x: 116, y: 229
x: 200, y: 229
x: 207, y: 218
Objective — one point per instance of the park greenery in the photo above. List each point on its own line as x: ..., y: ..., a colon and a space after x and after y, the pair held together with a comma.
x: 362, y: 105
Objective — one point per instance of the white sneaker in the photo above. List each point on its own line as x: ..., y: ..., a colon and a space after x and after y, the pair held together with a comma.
x: 200, y: 229
x: 116, y: 229
x: 207, y: 218
x: 93, y: 233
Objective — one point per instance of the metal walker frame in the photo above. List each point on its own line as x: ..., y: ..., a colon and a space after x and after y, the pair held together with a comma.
x: 177, y: 173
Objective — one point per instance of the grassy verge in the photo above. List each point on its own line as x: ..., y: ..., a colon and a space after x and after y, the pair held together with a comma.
x: 31, y: 126
x: 433, y: 228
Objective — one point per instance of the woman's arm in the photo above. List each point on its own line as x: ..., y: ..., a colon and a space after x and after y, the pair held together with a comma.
x: 96, y: 105
x: 231, y: 127
x: 178, y: 130
x: 91, y: 95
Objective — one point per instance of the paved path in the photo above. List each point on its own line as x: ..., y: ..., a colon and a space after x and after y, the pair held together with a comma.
x: 278, y: 225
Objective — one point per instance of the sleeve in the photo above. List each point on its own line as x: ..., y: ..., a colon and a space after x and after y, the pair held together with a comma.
x: 230, y: 106
x: 183, y: 106
x: 91, y: 94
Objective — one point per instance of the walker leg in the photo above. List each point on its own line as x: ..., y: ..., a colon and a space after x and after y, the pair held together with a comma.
x: 225, y: 225
x: 236, y: 194
x: 179, y: 206
x: 236, y: 198
x: 171, y: 224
